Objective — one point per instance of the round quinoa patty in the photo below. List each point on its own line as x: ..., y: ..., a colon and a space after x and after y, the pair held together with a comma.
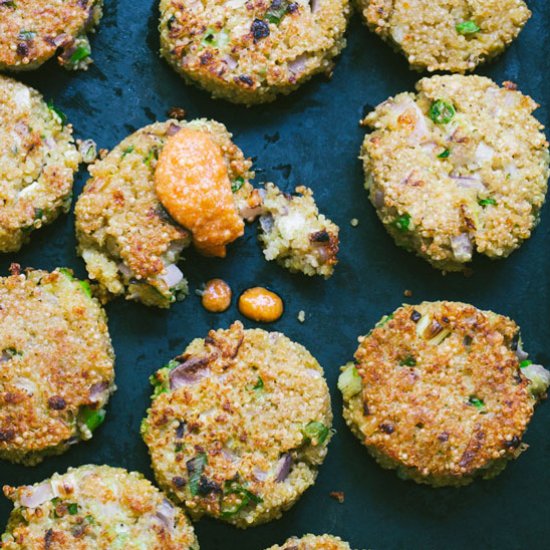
x: 446, y: 35
x: 33, y: 31
x: 251, y: 51
x: 313, y: 542
x: 461, y: 166
x: 442, y: 392
x: 95, y: 508
x: 238, y: 425
x: 38, y: 160
x: 56, y: 364
x: 129, y: 242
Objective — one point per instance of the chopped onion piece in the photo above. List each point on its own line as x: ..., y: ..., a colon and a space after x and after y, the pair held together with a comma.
x: 462, y: 247
x: 282, y: 469
x: 33, y: 497
x: 173, y: 276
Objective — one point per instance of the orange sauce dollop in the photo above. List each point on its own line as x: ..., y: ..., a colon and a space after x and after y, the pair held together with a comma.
x: 192, y: 183
x: 216, y: 296
x: 261, y: 305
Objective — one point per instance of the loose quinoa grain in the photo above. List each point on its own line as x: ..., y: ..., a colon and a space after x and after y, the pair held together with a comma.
x: 295, y: 234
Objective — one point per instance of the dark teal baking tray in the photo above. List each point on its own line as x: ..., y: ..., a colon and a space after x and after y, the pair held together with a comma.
x: 312, y: 138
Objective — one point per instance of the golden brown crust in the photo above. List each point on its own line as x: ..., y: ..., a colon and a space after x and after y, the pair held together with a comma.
x: 429, y: 33
x: 56, y: 360
x: 443, y: 398
x: 95, y: 508
x: 228, y: 426
x: 249, y: 51
x: 126, y: 238
x: 32, y: 31
x: 471, y: 178
x: 38, y: 159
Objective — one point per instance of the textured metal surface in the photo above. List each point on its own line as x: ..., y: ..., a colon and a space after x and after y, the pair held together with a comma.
x: 312, y: 138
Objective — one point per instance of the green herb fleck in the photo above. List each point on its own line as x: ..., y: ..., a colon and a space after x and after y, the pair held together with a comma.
x: 92, y: 418
x: 152, y: 154
x: 195, y: 468
x: 27, y: 35
x: 58, y: 113
x: 349, y: 382
x: 445, y: 154
x: 236, y: 498
x: 384, y: 320
x: 408, y: 361
x: 259, y: 385
x: 486, y: 202
x: 81, y: 52
x: 72, y: 508
x: 442, y: 112
x: 216, y: 39
x: 67, y: 272
x: 476, y: 402
x: 276, y: 11
x: 85, y: 286
x: 237, y: 184
x: 316, y: 432
x: 127, y: 151
x: 525, y: 363
x: 403, y: 222
x: 467, y: 27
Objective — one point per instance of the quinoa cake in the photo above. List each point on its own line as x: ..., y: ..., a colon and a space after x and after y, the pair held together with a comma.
x: 313, y: 542
x: 294, y: 233
x: 33, y: 31
x: 56, y: 364
x: 95, y: 508
x: 129, y: 242
x: 38, y: 159
x: 460, y: 167
x: 446, y: 35
x: 251, y: 51
x: 238, y: 425
x: 442, y: 392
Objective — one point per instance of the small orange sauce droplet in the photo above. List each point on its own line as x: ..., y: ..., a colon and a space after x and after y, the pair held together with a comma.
x: 216, y: 296
x: 261, y: 305
x: 192, y: 183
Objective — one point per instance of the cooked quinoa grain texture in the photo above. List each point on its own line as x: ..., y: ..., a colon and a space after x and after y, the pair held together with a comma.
x: 95, y: 508
x: 459, y: 167
x: 33, y: 31
x: 251, y: 51
x: 313, y: 542
x: 446, y: 35
x: 38, y: 159
x: 56, y: 364
x: 127, y: 239
x: 442, y: 392
x: 238, y: 425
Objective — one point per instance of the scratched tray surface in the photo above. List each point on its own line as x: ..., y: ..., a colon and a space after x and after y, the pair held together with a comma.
x: 312, y: 138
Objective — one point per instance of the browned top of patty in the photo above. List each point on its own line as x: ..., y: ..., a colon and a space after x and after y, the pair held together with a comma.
x: 443, y: 393
x: 31, y: 31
